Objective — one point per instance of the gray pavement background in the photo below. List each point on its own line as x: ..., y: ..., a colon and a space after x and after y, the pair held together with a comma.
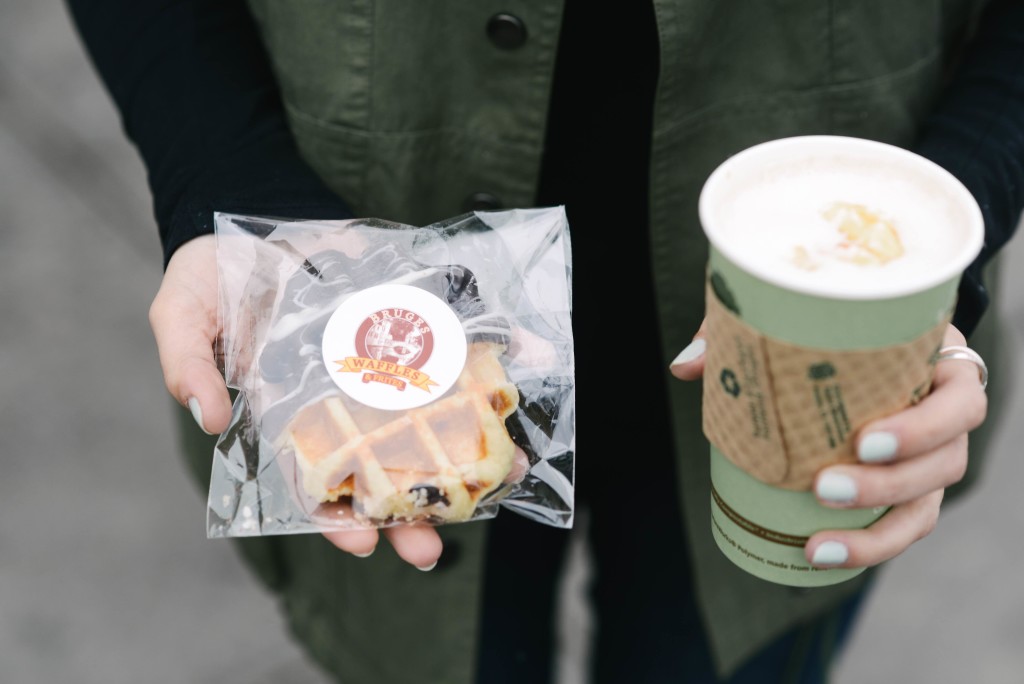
x: 106, y: 576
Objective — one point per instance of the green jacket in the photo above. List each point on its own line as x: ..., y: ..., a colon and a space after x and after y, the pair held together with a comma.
x: 407, y: 109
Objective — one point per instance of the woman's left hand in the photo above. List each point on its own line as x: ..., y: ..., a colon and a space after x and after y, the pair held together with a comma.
x: 906, y: 461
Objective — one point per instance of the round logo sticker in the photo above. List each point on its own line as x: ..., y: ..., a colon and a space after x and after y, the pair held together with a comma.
x: 394, y: 347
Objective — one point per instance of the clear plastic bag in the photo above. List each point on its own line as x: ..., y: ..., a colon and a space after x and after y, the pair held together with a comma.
x: 387, y: 373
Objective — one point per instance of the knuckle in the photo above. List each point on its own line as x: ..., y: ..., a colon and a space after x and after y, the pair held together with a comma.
x: 929, y: 524
x: 929, y: 516
x: 956, y: 466
x: 957, y: 337
x: 932, y: 432
x: 884, y: 487
x: 978, y: 411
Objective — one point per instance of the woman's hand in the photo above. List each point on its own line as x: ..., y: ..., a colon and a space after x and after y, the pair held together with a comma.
x: 184, y: 321
x: 906, y: 461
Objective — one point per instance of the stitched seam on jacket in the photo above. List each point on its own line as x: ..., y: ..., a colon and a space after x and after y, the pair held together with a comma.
x: 763, y: 102
x: 418, y: 133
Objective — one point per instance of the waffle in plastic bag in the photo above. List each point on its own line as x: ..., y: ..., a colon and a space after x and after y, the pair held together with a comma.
x: 387, y: 373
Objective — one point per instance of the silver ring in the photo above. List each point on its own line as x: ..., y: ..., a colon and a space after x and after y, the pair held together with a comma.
x: 966, y: 354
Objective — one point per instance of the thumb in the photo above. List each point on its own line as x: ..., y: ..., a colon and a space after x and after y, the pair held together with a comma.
x: 183, y: 317
x: 689, y: 363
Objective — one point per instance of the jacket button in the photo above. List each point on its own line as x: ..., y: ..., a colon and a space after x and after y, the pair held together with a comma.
x: 506, y: 31
x: 481, y: 201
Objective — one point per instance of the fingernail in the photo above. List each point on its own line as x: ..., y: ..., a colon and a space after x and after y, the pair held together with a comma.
x: 836, y: 487
x: 197, y: 413
x: 427, y: 568
x: 830, y: 553
x: 878, y: 447
x: 692, y: 352
x: 365, y: 555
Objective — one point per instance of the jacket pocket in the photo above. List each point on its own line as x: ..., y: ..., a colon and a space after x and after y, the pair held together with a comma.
x: 416, y: 177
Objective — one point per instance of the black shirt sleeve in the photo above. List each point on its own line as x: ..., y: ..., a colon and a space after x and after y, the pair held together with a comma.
x: 198, y: 98
x: 976, y: 132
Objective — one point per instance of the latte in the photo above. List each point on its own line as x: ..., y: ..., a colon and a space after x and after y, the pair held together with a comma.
x: 857, y: 221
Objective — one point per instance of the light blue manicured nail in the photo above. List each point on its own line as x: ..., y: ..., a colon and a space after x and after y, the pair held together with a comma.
x: 365, y: 555
x: 427, y: 568
x: 878, y: 447
x: 691, y: 352
x: 836, y: 487
x: 830, y: 553
x: 197, y: 413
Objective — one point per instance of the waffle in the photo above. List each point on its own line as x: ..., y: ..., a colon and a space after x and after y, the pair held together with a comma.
x: 436, y: 461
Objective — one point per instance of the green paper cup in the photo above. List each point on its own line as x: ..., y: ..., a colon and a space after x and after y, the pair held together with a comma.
x: 833, y: 247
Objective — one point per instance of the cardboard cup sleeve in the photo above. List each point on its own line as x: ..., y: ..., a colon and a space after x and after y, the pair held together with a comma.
x: 781, y: 412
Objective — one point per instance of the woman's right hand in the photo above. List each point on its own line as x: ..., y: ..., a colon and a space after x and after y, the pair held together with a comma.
x: 183, y: 317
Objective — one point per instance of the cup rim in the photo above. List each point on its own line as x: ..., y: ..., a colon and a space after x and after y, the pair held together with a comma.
x: 973, y: 231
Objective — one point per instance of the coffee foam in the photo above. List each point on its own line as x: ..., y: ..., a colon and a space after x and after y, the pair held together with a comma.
x: 868, y: 221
